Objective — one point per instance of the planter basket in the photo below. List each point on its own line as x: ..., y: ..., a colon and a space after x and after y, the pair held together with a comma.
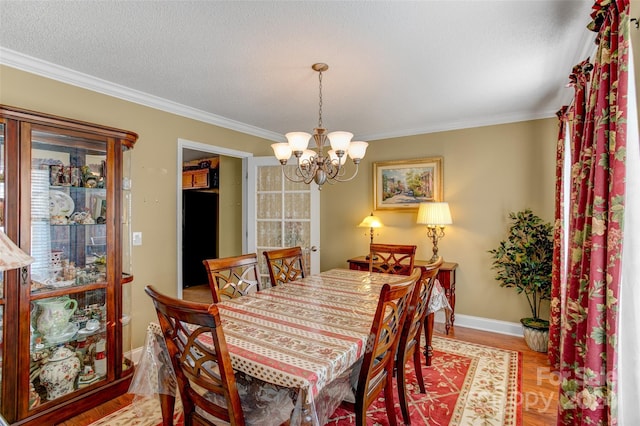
x: 536, y: 339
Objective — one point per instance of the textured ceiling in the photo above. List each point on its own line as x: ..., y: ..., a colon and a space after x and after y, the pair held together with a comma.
x: 396, y: 68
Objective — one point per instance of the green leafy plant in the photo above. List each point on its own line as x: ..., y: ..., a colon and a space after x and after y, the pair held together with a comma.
x: 524, y: 260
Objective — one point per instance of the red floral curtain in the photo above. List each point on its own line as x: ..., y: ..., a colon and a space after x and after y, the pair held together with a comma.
x: 584, y: 316
x: 558, y: 271
x: 575, y: 117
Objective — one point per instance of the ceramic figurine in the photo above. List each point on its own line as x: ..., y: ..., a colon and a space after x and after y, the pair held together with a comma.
x: 59, y: 374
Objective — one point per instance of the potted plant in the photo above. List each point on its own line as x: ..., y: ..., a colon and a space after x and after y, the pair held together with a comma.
x: 523, y: 261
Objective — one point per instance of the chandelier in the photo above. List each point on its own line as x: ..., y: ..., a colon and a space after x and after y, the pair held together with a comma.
x: 314, y: 164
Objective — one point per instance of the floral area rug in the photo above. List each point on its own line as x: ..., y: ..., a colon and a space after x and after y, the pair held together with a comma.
x: 141, y: 412
x: 467, y: 384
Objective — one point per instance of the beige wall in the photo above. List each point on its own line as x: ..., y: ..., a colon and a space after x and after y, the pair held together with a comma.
x: 154, y: 173
x: 488, y: 172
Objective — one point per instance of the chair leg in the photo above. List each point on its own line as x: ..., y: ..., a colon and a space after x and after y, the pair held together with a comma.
x: 388, y: 399
x: 418, y: 367
x: 167, y: 404
x: 361, y: 413
x: 402, y: 393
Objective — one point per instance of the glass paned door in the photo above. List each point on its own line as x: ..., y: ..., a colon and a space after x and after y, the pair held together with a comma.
x: 281, y: 213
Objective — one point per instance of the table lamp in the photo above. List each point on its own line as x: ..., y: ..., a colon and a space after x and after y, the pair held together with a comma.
x: 371, y: 222
x: 12, y: 256
x: 435, y: 216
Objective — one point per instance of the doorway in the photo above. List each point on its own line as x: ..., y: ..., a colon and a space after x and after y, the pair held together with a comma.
x: 228, y: 227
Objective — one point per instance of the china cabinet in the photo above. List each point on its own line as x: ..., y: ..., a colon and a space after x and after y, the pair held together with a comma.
x: 65, y: 198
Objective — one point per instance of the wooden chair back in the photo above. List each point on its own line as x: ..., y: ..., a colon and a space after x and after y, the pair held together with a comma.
x: 284, y: 265
x: 392, y: 258
x: 378, y: 364
x: 231, y: 277
x: 409, y: 344
x: 199, y: 369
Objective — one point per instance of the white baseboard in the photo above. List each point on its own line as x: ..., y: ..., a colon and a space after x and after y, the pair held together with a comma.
x: 484, y: 324
x: 135, y: 355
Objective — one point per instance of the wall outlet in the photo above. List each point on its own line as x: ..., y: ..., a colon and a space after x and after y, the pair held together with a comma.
x: 137, y: 238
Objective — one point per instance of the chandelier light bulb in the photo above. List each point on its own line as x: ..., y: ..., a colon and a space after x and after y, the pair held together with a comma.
x: 357, y: 150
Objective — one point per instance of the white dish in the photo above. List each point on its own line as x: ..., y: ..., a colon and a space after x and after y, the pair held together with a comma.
x: 65, y: 336
x: 59, y: 284
x: 85, y: 332
x: 60, y: 204
x: 92, y: 325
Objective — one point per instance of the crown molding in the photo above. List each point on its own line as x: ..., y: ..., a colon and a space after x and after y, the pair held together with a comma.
x: 459, y: 125
x: 46, y: 69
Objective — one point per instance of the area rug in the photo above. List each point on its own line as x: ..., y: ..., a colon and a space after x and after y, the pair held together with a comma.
x: 467, y: 384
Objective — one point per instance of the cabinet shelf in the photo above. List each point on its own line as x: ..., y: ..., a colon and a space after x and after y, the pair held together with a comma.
x: 73, y: 289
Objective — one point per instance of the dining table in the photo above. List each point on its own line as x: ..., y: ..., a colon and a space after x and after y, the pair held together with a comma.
x: 305, y: 336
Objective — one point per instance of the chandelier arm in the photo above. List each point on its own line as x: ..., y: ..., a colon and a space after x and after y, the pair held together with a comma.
x: 284, y: 173
x: 307, y: 169
x: 339, y: 179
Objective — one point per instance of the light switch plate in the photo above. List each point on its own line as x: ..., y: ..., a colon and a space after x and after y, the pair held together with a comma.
x: 137, y: 238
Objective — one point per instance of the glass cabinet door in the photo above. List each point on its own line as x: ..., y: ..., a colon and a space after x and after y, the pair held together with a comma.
x: 2, y: 290
x: 69, y: 278
x: 127, y: 267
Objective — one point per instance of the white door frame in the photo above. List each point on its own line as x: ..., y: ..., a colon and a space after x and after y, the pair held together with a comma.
x: 212, y: 149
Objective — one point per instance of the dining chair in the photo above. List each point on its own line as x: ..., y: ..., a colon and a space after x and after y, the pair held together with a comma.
x: 204, y: 374
x: 284, y: 265
x: 409, y: 344
x: 377, y: 369
x: 234, y: 276
x: 392, y: 258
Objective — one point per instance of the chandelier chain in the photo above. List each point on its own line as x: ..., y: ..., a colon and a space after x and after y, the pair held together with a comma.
x: 320, y: 101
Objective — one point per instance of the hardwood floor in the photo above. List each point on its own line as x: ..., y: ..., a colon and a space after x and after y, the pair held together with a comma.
x: 198, y: 293
x: 539, y: 396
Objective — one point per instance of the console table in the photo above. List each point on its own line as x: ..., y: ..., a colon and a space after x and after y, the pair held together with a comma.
x: 447, y: 279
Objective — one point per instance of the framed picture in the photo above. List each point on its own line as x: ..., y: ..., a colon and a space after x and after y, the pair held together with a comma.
x: 404, y: 184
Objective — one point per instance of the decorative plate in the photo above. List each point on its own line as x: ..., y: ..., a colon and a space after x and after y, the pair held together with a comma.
x: 60, y: 204
x: 65, y: 336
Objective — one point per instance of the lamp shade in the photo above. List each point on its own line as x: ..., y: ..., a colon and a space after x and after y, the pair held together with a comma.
x: 12, y: 256
x: 306, y: 156
x: 340, y: 140
x: 282, y: 150
x: 357, y: 150
x: 298, y: 141
x: 371, y: 221
x: 434, y: 214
